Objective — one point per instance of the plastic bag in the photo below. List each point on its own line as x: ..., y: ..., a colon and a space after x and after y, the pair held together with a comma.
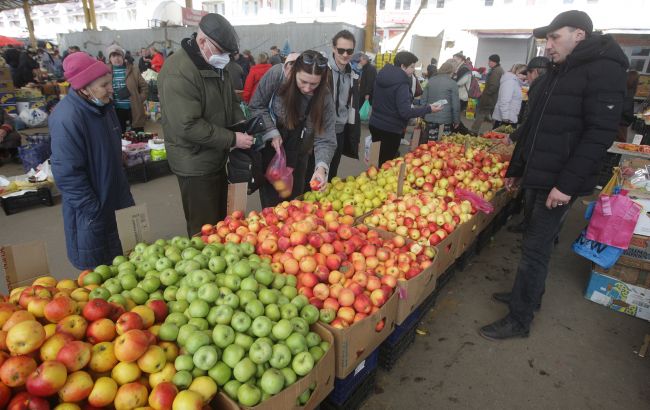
x: 364, y: 111
x: 599, y: 253
x: 367, y: 144
x: 280, y: 175
x: 613, y: 220
x: 477, y: 202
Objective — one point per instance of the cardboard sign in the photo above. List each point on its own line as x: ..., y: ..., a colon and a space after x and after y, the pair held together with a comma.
x: 133, y: 226
x: 415, y: 139
x: 374, y: 154
x: 23, y: 263
x: 237, y: 197
x: 401, y: 178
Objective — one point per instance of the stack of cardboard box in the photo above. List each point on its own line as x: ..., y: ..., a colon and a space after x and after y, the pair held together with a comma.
x: 7, y: 91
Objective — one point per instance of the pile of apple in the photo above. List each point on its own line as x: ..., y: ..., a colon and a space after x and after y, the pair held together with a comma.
x: 423, y: 217
x: 59, y: 347
x: 241, y: 326
x: 357, y: 195
x: 441, y: 167
x: 469, y: 140
x: 346, y: 271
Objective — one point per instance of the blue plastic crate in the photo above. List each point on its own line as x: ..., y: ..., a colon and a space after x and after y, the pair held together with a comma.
x: 400, y: 330
x: 344, y: 388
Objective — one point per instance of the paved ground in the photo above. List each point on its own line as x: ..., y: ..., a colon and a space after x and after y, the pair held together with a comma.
x: 579, y: 356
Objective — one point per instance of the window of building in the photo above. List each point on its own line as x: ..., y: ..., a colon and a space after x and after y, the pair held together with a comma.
x: 489, y: 3
x: 407, y: 5
x: 333, y: 5
x: 382, y: 4
x: 322, y: 6
x: 398, y: 4
x: 568, y: 1
x: 440, y: 4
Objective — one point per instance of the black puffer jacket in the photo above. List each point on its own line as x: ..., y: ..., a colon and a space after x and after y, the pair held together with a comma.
x: 573, y: 119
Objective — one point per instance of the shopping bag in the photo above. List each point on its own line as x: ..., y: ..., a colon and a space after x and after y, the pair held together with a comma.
x: 477, y: 202
x: 613, y: 220
x: 599, y: 253
x: 279, y: 174
x: 364, y: 111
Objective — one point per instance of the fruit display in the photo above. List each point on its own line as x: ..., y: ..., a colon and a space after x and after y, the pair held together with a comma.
x: 468, y: 140
x: 356, y: 196
x: 494, y: 135
x: 505, y: 129
x: 347, y: 272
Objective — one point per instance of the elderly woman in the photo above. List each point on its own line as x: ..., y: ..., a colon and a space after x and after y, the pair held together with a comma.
x: 442, y: 87
x: 506, y: 111
x: 129, y: 90
x: 87, y: 163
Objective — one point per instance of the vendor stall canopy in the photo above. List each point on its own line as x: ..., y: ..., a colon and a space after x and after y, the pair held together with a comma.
x: 18, y: 4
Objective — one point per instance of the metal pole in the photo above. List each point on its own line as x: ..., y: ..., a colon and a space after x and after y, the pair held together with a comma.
x: 84, y: 3
x: 188, y: 4
x: 93, y: 17
x: 30, y: 23
x: 371, y: 17
x: 423, y: 4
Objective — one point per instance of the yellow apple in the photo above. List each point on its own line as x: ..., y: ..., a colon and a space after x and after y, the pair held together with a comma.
x: 102, y: 358
x: 188, y: 400
x: 147, y: 315
x: 25, y: 337
x: 66, y: 284
x: 77, y: 387
x: 50, y: 330
x: 80, y: 295
x: 171, y: 350
x: 131, y: 396
x: 67, y: 406
x: 153, y: 360
x: 165, y: 375
x: 125, y: 372
x: 205, y: 386
x: 103, y: 393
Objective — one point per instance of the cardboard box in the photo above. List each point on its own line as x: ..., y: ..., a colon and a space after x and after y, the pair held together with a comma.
x: 6, y: 86
x: 446, y: 253
x: 467, y: 232
x: 322, y: 374
x: 618, y: 295
x: 7, y: 98
x: 627, y: 274
x: 358, y: 341
x: 23, y: 263
x: 10, y: 108
x: 133, y: 226
x: 5, y: 74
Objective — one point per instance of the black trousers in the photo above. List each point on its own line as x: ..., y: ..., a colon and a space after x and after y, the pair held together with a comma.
x: 390, y: 141
x: 205, y: 200
x: 123, y: 116
x: 336, y: 159
x: 543, y: 227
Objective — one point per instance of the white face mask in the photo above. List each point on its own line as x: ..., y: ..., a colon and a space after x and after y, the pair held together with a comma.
x: 218, y: 61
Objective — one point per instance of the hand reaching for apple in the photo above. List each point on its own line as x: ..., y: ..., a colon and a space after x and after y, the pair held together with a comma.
x: 318, y: 180
x: 243, y: 141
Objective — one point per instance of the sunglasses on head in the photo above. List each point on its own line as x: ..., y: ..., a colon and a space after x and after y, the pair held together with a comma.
x: 311, y: 58
x: 348, y: 51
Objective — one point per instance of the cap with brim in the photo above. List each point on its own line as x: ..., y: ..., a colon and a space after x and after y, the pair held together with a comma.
x: 572, y: 18
x: 219, y: 30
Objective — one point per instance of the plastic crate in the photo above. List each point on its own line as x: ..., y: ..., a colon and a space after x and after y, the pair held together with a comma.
x: 484, y: 237
x: 357, y: 397
x: 429, y: 303
x: 445, y: 278
x: 136, y: 173
x: 400, y: 340
x: 464, y: 259
x: 345, y: 389
x: 157, y: 169
x: 42, y: 196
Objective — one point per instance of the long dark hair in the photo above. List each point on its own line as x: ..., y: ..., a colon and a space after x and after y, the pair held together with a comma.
x: 310, y: 62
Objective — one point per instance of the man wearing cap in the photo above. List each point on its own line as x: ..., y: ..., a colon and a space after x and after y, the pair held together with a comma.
x: 489, y: 96
x: 129, y: 90
x: 573, y: 120
x: 198, y: 102
x: 87, y: 163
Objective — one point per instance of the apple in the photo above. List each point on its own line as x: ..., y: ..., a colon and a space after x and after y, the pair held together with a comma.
x: 124, y: 373
x: 131, y: 345
x: 244, y: 370
x: 102, y: 357
x: 96, y: 309
x: 224, y: 335
x: 272, y: 381
x: 162, y: 396
x: 280, y: 356
x: 16, y: 369
x: 249, y: 395
x: 131, y: 396
x: 261, y: 326
x: 47, y: 379
x: 196, y: 340
x: 25, y: 337
x: 206, y: 357
x: 26, y: 401
x: 153, y: 360
x: 74, y: 325
x: 260, y: 352
x: 327, y: 315
x: 53, y: 344
x: 101, y: 330
x: 296, y: 343
x: 60, y: 307
x: 128, y: 321
x: 165, y: 375
x: 205, y: 386
x: 103, y: 392
x: 147, y: 315
x: 77, y: 387
x: 302, y: 363
x: 188, y: 400
x: 74, y: 355
x: 241, y: 321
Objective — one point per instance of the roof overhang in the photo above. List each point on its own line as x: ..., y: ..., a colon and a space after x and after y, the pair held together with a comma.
x: 18, y: 4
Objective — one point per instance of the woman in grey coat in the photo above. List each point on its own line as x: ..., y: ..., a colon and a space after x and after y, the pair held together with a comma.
x: 298, y: 114
x: 442, y: 87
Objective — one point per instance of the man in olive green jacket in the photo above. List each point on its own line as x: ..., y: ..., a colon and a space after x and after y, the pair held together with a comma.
x: 490, y: 94
x: 198, y: 103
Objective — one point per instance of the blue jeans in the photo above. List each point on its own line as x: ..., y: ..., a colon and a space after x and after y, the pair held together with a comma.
x: 543, y: 226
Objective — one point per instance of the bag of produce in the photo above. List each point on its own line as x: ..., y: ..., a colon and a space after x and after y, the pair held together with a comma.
x: 364, y: 111
x: 280, y: 175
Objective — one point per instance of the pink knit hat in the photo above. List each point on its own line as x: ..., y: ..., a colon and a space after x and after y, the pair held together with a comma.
x: 80, y: 69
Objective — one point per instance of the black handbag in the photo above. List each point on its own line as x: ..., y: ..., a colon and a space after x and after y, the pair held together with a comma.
x: 245, y: 165
x: 123, y: 94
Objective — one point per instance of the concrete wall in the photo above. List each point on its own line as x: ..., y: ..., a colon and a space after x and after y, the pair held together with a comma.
x: 260, y: 38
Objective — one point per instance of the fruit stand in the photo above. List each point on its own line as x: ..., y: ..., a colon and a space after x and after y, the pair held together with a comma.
x: 290, y: 307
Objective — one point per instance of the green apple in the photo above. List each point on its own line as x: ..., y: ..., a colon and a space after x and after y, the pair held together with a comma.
x: 254, y: 308
x: 157, y: 295
x: 202, y: 260
x: 145, y: 267
x: 283, y: 300
x: 128, y: 281
x: 199, y: 308
x: 182, y: 379
x: 244, y: 340
x: 290, y: 376
x: 168, y: 332
x: 279, y: 281
x: 232, y: 355
x: 289, y: 291
x: 242, y: 269
x: 220, y: 373
x: 280, y: 357
x: 313, y: 339
x: 163, y: 263
x: 99, y: 293
x: 231, y: 259
x: 291, y: 281
x: 296, y: 343
x: 104, y: 271
x: 197, y: 243
x: 232, y: 282
x: 184, y: 333
x: 327, y: 315
x: 184, y: 362
x: 93, y: 278
x: 249, y: 283
x: 244, y: 370
x: 200, y: 323
x: 264, y: 276
x: 247, y: 249
x: 210, y: 251
x: 246, y: 296
x: 272, y: 381
x: 304, y: 397
x: 170, y: 293
x: 302, y: 363
x: 195, y: 341
x: 139, y: 295
x: 209, y: 292
x: 140, y: 247
x: 189, y: 253
x: 192, y: 295
x: 119, y: 299
x: 282, y: 329
x: 181, y: 294
x: 289, y: 311
x: 206, y: 357
x: 325, y: 346
x: 317, y: 353
x: 118, y: 260
x: 113, y: 285
x: 231, y: 300
x: 176, y: 318
x: 161, y: 242
x: 178, y: 306
x: 217, y: 264
x: 300, y: 325
x: 272, y: 311
x: 196, y: 372
x: 240, y: 321
x: 260, y: 351
x: 262, y: 326
x: 169, y: 277
x: 223, y: 335
x: 231, y: 388
x: 221, y: 315
x: 300, y: 301
x: 310, y: 313
x: 268, y: 296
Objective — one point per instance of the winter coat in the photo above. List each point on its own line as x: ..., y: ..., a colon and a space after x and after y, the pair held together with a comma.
x: 509, y: 100
x: 138, y: 89
x: 254, y: 76
x: 157, y: 62
x: 574, y: 117
x: 442, y: 87
x: 269, y: 105
x: 143, y: 65
x: 463, y: 81
x: 491, y: 92
x: 236, y: 75
x: 197, y: 102
x: 24, y: 73
x: 87, y: 167
x: 341, y: 83
x: 367, y: 82
x: 392, y: 99
x: 245, y: 65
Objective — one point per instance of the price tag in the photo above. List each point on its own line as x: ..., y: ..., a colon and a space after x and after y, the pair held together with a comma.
x: 637, y: 139
x: 360, y: 367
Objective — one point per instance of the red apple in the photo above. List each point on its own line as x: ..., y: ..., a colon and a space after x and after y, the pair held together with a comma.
x: 128, y: 321
x: 97, y: 309
x: 74, y: 355
x: 47, y: 379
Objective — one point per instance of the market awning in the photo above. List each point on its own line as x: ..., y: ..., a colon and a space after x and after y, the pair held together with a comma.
x: 9, y: 41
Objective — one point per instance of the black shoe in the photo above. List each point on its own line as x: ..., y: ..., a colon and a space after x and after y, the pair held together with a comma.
x: 505, y: 297
x: 518, y: 228
x: 506, y: 328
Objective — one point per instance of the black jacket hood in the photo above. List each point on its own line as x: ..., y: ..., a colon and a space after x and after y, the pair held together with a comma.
x: 595, y: 47
x: 390, y: 76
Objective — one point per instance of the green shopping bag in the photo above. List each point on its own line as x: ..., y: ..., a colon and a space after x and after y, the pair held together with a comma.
x: 364, y: 112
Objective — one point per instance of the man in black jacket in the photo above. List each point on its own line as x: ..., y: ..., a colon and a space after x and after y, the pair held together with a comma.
x: 573, y: 120
x: 367, y: 81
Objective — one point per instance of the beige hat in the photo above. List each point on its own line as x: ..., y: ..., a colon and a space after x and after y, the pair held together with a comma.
x: 114, y: 48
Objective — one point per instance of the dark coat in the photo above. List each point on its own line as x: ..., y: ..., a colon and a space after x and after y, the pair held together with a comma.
x: 24, y: 73
x: 392, y: 99
x: 490, y: 94
x: 574, y: 116
x: 367, y: 82
x: 87, y: 167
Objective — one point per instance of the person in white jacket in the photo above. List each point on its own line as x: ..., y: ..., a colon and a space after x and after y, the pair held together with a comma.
x: 463, y: 77
x: 510, y: 96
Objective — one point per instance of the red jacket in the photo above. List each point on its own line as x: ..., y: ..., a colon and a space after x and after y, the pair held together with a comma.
x: 157, y: 62
x: 254, y: 76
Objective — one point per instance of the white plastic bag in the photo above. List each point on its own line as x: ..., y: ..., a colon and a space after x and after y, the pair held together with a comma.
x: 368, y: 143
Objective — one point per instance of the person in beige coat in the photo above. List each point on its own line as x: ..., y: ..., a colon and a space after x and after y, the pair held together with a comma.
x: 129, y: 90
